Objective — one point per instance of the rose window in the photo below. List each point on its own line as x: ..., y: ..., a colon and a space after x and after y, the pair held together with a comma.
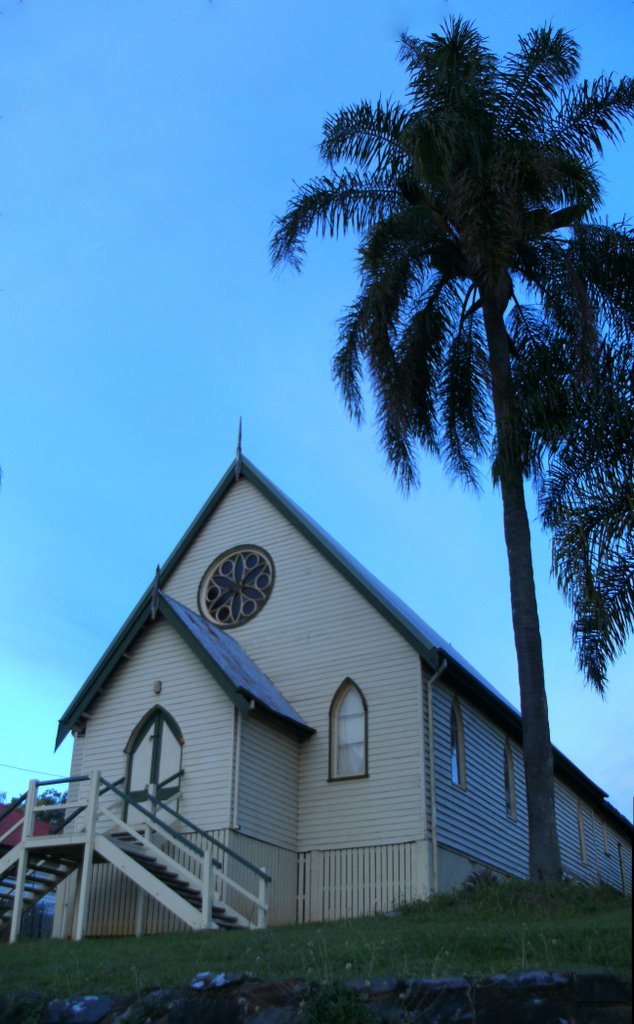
x: 236, y: 586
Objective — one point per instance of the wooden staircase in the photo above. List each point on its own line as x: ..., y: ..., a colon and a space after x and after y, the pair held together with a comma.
x: 42, y: 876
x: 175, y: 880
x: 150, y: 853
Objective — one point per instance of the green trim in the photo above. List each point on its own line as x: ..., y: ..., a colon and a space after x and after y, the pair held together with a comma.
x: 140, y: 613
x: 160, y: 719
x: 107, y: 664
x: 138, y: 617
x: 204, y: 657
x: 196, y: 526
x: 158, y: 709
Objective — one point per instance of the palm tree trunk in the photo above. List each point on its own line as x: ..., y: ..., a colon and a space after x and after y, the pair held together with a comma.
x: 544, y: 855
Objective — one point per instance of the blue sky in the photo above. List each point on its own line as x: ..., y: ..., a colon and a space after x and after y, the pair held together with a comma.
x: 145, y: 148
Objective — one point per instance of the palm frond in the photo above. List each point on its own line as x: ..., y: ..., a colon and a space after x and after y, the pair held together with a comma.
x: 464, y: 398
x: 559, y: 278
x: 606, y: 254
x: 586, y: 499
x: 483, y: 184
x: 368, y: 136
x: 368, y: 331
x: 590, y: 113
x: 333, y: 206
x: 547, y: 60
x: 453, y: 70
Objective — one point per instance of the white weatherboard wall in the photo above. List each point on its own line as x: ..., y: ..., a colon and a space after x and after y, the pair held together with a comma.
x: 202, y: 710
x: 268, y: 784
x: 314, y: 631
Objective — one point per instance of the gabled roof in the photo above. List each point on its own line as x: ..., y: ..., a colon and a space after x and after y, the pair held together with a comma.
x: 238, y: 675
x: 433, y: 649
x: 229, y: 662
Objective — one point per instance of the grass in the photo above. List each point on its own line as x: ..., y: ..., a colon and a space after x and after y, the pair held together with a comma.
x: 493, y: 929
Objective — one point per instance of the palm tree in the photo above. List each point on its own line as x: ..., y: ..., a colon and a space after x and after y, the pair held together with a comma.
x: 473, y: 204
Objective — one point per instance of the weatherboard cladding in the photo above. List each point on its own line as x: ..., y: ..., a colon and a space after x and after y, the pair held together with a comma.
x: 429, y: 644
x: 201, y: 709
x: 315, y: 630
x: 268, y: 812
x: 473, y: 820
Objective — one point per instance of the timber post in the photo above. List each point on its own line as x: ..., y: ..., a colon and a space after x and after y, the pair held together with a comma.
x: 207, y: 882
x: 263, y: 900
x: 89, y: 848
x: 28, y: 823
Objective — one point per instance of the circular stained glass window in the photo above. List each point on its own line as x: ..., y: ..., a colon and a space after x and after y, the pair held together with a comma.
x: 236, y: 586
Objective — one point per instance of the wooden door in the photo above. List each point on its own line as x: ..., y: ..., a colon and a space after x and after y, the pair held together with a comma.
x: 154, y: 761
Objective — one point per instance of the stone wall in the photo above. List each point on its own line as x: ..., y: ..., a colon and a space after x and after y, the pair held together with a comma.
x: 530, y: 998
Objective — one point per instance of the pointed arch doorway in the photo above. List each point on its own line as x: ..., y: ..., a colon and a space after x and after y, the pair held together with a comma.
x: 155, y: 751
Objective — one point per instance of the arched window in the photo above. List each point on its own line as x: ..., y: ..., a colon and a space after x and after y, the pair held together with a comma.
x: 606, y: 840
x: 509, y: 782
x: 348, y: 733
x: 458, y: 773
x: 622, y: 868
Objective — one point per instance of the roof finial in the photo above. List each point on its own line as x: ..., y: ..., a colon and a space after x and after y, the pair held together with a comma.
x: 238, y: 469
x: 155, y: 593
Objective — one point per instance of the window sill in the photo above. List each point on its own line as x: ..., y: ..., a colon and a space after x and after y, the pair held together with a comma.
x: 348, y: 778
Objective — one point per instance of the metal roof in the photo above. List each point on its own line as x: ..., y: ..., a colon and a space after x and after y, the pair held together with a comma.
x: 417, y: 626
x: 234, y: 663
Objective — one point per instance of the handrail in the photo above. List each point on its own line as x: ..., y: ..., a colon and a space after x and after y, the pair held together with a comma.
x: 127, y: 799
x: 210, y: 838
x: 56, y: 782
x: 111, y: 819
x: 78, y: 810
x: 157, y: 821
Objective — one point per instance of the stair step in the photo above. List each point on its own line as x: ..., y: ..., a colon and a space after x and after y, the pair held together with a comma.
x: 52, y: 869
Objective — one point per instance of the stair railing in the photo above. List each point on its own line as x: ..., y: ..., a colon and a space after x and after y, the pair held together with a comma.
x: 143, y: 834
x: 258, y: 900
x: 94, y: 808
x: 263, y: 878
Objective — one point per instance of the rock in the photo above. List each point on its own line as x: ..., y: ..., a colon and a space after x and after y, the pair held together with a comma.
x: 205, y: 979
x: 443, y: 1007
x: 604, y: 1015
x: 373, y: 988
x: 159, y: 999
x: 80, y: 1010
